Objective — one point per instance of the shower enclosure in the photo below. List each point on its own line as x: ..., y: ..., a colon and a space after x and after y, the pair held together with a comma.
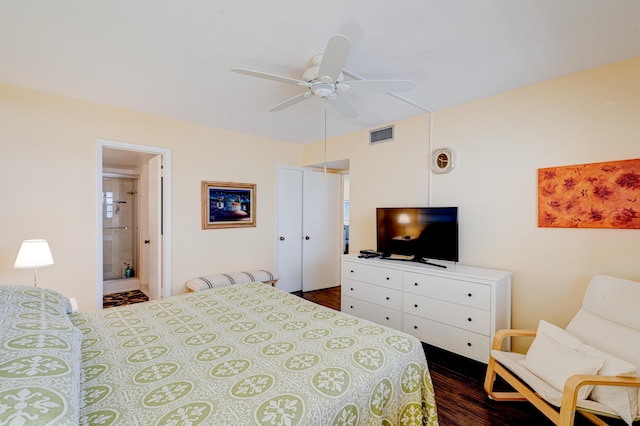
x: 119, y: 231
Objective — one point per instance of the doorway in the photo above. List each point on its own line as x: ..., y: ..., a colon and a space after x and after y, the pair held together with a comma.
x: 133, y: 219
x: 309, y: 214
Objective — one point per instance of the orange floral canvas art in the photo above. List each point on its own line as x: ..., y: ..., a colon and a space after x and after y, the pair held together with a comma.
x: 597, y: 195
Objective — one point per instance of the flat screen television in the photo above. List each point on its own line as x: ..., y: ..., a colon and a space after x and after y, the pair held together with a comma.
x: 418, y: 233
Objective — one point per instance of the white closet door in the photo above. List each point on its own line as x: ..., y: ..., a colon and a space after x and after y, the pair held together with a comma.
x: 289, y: 229
x: 321, y: 247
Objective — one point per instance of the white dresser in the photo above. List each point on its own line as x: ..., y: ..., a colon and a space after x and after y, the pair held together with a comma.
x: 458, y: 308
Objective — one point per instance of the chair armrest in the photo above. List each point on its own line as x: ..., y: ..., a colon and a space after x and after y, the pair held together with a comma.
x: 574, y: 383
x: 502, y: 334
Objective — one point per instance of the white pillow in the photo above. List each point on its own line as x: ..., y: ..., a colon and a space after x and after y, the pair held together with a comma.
x: 553, y: 356
x: 559, y: 335
x: 622, y: 400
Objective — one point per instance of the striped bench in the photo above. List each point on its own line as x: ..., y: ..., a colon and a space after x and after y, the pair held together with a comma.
x: 220, y: 280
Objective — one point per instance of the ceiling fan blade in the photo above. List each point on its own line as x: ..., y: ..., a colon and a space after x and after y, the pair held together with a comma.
x: 334, y: 57
x: 268, y: 76
x: 343, y: 106
x: 292, y: 101
x: 376, y: 86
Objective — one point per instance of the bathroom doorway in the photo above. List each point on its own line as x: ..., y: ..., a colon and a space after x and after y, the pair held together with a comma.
x: 133, y: 215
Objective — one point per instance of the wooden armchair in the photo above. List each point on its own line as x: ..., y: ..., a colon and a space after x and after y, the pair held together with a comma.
x: 604, y: 336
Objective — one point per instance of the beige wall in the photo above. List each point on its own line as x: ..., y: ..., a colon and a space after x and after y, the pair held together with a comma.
x: 499, y: 143
x: 47, y: 185
x: 47, y: 188
x: 388, y: 174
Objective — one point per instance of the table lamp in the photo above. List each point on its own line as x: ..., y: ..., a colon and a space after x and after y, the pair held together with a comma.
x: 403, y: 219
x: 34, y: 254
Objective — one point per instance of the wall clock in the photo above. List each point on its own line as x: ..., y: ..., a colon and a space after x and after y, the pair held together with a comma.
x: 442, y: 160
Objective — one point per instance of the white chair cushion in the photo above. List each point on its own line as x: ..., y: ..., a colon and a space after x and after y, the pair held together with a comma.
x: 553, y: 356
x: 609, y: 318
x: 613, y: 338
x: 615, y: 299
x: 622, y: 400
x: 515, y: 363
x: 610, y: 337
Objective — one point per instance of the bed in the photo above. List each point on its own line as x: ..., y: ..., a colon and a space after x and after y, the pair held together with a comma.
x: 245, y: 354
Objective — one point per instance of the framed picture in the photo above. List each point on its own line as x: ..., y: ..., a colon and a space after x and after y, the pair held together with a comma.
x: 595, y: 195
x: 228, y: 205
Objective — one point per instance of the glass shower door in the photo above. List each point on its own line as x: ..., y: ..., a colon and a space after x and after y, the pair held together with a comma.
x: 120, y: 227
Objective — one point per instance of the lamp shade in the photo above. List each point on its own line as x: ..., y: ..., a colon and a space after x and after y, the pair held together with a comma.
x: 403, y: 219
x: 33, y: 254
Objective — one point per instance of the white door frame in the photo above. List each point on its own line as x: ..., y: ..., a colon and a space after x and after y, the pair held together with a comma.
x: 166, y: 197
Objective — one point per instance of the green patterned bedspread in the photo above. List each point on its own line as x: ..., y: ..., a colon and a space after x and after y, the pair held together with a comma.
x: 248, y: 354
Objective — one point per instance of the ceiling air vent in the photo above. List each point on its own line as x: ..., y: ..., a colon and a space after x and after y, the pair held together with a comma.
x: 381, y: 135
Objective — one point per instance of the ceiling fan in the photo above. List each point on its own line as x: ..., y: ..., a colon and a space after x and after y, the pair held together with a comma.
x: 325, y: 80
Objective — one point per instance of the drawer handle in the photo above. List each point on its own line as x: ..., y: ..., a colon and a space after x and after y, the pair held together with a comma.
x: 469, y: 294
x: 415, y: 327
x: 387, y: 298
x: 352, y: 271
x: 388, y: 278
x: 351, y: 288
x: 469, y: 344
x: 351, y: 306
x: 416, y: 284
x: 469, y: 319
x: 415, y: 306
x: 387, y: 318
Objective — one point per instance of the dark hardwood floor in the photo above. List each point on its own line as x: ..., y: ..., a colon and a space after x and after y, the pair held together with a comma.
x: 458, y: 385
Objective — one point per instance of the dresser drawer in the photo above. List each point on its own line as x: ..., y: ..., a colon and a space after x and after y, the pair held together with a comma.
x: 372, y: 312
x: 465, y: 293
x: 463, y: 342
x: 384, y: 296
x: 391, y: 278
x: 461, y: 316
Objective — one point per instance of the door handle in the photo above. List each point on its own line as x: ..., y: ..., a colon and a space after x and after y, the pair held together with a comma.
x: 147, y: 241
x: 281, y: 238
x: 306, y: 238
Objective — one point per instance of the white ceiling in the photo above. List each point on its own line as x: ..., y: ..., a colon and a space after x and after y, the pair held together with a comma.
x: 173, y: 58
x: 126, y: 159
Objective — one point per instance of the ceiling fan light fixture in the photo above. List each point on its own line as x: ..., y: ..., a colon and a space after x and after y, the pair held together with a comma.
x: 324, y: 78
x: 323, y: 90
x: 310, y: 73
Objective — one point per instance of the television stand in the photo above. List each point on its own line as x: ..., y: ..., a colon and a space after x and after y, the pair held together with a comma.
x: 457, y: 309
x: 417, y: 260
x: 426, y: 262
